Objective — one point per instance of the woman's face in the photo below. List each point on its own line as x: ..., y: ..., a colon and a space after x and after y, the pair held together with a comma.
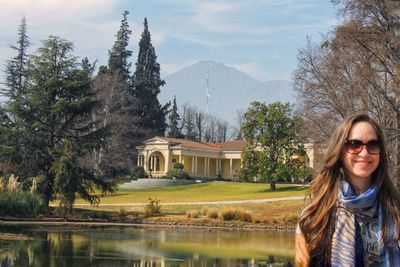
x: 360, y: 166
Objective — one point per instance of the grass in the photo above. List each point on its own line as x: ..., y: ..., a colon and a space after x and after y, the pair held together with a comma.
x: 277, y: 213
x: 212, y: 191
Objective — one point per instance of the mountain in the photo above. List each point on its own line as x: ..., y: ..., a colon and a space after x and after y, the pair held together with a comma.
x: 229, y: 89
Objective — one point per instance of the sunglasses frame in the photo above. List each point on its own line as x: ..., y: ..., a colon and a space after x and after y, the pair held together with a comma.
x: 367, y: 145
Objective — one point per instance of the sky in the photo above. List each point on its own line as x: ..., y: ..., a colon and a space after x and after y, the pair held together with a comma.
x: 258, y: 37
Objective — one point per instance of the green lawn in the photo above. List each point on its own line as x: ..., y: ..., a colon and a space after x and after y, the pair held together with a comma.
x: 212, y: 191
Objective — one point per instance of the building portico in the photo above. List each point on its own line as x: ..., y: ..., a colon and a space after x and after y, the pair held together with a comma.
x: 208, y: 160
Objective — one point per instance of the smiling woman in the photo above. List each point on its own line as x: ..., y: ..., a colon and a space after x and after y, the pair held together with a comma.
x: 354, y: 216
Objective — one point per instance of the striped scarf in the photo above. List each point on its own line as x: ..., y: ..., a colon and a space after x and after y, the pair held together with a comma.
x: 344, y: 236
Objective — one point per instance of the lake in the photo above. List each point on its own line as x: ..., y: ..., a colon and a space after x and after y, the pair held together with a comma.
x: 66, y: 245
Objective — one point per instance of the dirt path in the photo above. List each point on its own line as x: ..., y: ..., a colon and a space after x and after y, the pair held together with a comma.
x: 251, y: 201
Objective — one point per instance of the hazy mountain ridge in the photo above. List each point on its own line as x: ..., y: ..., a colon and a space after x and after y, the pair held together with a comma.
x: 229, y: 89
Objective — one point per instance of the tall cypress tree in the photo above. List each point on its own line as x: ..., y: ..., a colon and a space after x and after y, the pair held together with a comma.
x: 150, y: 115
x: 174, y: 118
x: 119, y: 54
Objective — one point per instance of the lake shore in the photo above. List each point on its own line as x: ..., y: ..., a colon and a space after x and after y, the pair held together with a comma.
x: 152, y: 222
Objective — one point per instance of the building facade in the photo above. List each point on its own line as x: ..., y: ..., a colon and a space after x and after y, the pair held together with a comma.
x: 207, y: 160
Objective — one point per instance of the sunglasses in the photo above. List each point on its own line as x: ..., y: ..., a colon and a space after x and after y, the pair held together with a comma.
x: 356, y: 146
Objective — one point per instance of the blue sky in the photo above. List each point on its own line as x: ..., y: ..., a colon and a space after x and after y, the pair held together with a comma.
x: 259, y: 37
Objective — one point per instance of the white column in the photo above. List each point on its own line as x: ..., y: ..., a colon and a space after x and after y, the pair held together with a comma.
x: 193, y: 162
x: 205, y: 166
x: 208, y: 167
x: 145, y: 163
x: 195, y: 165
x: 230, y: 168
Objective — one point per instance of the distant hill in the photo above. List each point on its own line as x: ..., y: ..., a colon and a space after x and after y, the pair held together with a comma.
x: 229, y: 89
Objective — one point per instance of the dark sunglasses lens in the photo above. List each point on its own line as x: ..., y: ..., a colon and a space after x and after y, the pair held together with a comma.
x: 373, y: 147
x: 354, y: 146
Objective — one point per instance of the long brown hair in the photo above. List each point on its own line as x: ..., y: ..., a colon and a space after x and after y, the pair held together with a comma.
x: 317, y: 220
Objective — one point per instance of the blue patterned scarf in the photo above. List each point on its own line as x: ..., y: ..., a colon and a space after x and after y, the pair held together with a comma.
x: 344, y: 237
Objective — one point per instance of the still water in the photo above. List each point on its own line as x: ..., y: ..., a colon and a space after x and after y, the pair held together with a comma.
x: 81, y: 246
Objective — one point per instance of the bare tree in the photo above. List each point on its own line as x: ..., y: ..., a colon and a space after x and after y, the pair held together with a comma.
x: 236, y: 133
x: 356, y: 69
x: 117, y: 155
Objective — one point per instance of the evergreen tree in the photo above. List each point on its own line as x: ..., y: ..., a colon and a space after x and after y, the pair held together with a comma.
x: 150, y: 115
x: 53, y: 125
x: 119, y: 55
x: 12, y: 147
x: 174, y: 118
x: 16, y: 67
x: 190, y: 127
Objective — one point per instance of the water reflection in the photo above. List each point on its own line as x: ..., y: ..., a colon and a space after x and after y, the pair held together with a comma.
x: 128, y: 246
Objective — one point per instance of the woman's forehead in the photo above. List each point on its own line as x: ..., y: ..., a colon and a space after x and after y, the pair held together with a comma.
x: 362, y: 130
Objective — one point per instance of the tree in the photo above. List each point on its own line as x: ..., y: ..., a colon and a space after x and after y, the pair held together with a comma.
x: 174, y: 118
x: 119, y: 55
x: 150, y: 116
x: 237, y: 133
x: 11, y: 148
x: 17, y: 66
x: 355, y: 69
x: 188, y: 122
x: 271, y: 133
x: 200, y: 121
x: 115, y: 157
x: 53, y: 126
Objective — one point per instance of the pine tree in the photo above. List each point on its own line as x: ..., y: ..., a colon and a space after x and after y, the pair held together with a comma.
x: 119, y: 54
x: 150, y: 115
x: 174, y: 118
x: 16, y: 67
x: 12, y: 148
x: 53, y: 125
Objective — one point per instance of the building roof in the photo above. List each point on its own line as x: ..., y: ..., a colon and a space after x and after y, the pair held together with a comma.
x: 237, y: 145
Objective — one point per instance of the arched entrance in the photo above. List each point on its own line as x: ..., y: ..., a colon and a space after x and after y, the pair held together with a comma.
x: 156, y: 164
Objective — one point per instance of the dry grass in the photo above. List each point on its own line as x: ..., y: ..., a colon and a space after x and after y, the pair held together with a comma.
x: 230, y: 214
x: 194, y: 214
x: 212, y: 213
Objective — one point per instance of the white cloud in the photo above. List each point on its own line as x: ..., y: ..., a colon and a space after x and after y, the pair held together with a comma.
x: 90, y: 24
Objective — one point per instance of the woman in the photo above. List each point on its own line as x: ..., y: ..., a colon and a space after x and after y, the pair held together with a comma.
x: 354, y: 215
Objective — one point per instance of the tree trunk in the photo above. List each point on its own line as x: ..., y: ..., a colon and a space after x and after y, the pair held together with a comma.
x: 272, y: 185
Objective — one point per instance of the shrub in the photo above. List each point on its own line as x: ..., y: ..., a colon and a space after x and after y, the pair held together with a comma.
x: 19, y: 203
x: 243, y: 216
x: 176, y: 174
x: 178, y: 166
x: 194, y: 214
x: 152, y: 208
x: 212, y: 213
x: 227, y: 214
x: 230, y: 214
x: 139, y: 173
x: 122, y: 212
x: 204, y: 210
